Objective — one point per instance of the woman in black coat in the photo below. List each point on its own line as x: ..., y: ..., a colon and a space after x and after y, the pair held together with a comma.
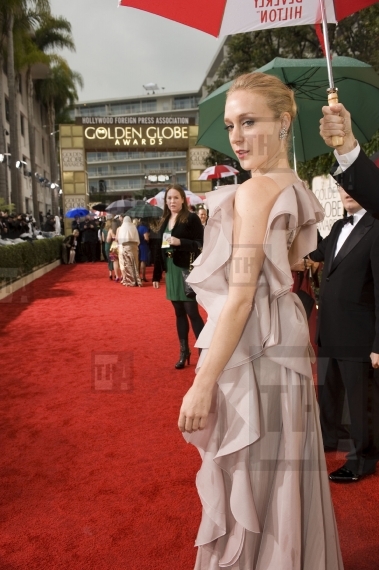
x: 181, y: 239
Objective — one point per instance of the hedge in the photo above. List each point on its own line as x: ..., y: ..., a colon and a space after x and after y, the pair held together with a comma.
x: 20, y: 259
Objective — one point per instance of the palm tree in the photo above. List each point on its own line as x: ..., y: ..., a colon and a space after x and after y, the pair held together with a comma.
x: 14, y: 11
x: 58, y: 91
x: 50, y: 34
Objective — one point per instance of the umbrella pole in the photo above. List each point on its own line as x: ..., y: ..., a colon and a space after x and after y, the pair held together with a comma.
x: 332, y: 91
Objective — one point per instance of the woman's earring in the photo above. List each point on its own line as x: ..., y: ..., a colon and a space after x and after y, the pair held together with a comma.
x: 283, y: 133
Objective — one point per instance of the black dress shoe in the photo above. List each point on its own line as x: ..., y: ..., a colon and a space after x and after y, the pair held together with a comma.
x: 343, y: 475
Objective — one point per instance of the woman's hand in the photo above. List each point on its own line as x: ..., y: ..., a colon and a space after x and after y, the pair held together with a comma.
x: 156, y: 284
x: 195, y: 409
x: 173, y: 241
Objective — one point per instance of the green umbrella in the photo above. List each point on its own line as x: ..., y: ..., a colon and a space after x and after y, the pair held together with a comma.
x: 358, y: 85
x: 144, y: 210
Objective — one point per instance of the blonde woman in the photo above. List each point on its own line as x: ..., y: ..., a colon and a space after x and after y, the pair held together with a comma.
x: 252, y: 411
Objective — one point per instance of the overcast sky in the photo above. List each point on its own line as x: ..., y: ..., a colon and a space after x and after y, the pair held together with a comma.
x: 120, y: 49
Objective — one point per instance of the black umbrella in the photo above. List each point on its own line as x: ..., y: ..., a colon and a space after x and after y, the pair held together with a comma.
x: 99, y: 207
x: 119, y: 207
x: 144, y: 210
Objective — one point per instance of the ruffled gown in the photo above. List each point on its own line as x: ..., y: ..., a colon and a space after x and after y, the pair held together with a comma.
x: 263, y: 482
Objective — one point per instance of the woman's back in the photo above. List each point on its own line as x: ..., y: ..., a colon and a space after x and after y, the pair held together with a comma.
x: 262, y: 450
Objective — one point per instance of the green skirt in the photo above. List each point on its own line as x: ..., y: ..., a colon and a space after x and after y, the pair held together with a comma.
x: 174, y: 282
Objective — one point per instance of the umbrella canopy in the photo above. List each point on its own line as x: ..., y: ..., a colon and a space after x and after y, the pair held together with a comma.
x: 81, y: 212
x: 307, y: 78
x: 192, y: 199
x: 119, y: 207
x: 218, y: 171
x: 144, y: 210
x: 99, y: 207
x: 224, y: 17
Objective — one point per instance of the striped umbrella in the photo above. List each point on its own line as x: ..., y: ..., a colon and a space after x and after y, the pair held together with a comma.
x: 217, y: 171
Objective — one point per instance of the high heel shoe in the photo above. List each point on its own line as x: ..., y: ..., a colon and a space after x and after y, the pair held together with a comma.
x: 185, y: 354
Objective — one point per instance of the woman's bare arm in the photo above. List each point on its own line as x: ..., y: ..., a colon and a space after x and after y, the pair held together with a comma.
x: 253, y: 203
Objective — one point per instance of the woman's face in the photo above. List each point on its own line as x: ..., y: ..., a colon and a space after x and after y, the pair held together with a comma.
x: 202, y: 215
x: 174, y: 201
x: 253, y: 129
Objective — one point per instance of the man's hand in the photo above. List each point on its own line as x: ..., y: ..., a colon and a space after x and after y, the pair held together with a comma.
x: 374, y: 360
x: 337, y: 122
x: 156, y: 284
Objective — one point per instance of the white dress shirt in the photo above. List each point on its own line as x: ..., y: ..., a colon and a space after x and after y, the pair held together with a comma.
x: 348, y: 228
x: 346, y: 160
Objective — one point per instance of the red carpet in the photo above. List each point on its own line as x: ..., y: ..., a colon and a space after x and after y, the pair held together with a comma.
x: 94, y: 473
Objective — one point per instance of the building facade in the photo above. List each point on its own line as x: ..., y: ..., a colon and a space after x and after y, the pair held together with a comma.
x: 42, y: 146
x: 126, y: 171
x: 137, y: 170
x: 124, y: 156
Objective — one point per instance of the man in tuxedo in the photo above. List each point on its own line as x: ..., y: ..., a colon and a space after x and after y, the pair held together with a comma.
x: 354, y: 171
x: 348, y: 338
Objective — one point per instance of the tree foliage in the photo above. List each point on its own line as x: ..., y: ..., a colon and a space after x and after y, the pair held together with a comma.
x: 30, y: 35
x: 355, y: 36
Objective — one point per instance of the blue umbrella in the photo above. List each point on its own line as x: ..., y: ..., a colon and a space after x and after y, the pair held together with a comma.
x: 76, y: 212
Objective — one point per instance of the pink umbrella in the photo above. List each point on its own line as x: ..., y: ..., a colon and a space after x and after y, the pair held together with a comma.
x: 218, y: 171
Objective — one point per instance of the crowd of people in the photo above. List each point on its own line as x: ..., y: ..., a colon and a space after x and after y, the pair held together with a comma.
x: 128, y: 246
x: 15, y: 226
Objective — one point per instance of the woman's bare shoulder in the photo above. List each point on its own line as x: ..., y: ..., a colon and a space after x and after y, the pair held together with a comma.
x: 257, y: 192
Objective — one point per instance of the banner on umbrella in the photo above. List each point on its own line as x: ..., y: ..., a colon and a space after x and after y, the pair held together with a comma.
x: 272, y: 14
x: 223, y: 17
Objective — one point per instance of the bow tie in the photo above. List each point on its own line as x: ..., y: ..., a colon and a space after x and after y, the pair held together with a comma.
x: 349, y: 219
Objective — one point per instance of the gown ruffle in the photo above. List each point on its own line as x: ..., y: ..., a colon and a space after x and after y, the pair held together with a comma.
x: 263, y: 483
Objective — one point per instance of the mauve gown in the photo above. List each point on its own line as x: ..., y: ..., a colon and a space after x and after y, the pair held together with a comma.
x: 263, y: 482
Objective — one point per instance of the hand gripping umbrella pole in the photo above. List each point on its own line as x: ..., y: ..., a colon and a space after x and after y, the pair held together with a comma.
x: 332, y: 91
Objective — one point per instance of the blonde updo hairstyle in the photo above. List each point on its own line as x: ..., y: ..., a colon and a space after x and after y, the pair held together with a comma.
x: 279, y: 98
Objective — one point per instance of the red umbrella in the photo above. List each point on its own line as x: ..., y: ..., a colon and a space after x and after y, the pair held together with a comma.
x: 218, y: 171
x: 223, y: 17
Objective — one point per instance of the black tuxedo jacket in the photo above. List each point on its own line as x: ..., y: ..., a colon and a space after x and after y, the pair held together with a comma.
x: 348, y: 315
x: 361, y: 182
x: 191, y: 240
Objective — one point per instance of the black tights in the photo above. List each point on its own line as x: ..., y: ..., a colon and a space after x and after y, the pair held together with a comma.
x: 190, y: 309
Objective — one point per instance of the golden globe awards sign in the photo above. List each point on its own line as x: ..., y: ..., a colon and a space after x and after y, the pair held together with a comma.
x: 121, y: 133
x: 326, y: 191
